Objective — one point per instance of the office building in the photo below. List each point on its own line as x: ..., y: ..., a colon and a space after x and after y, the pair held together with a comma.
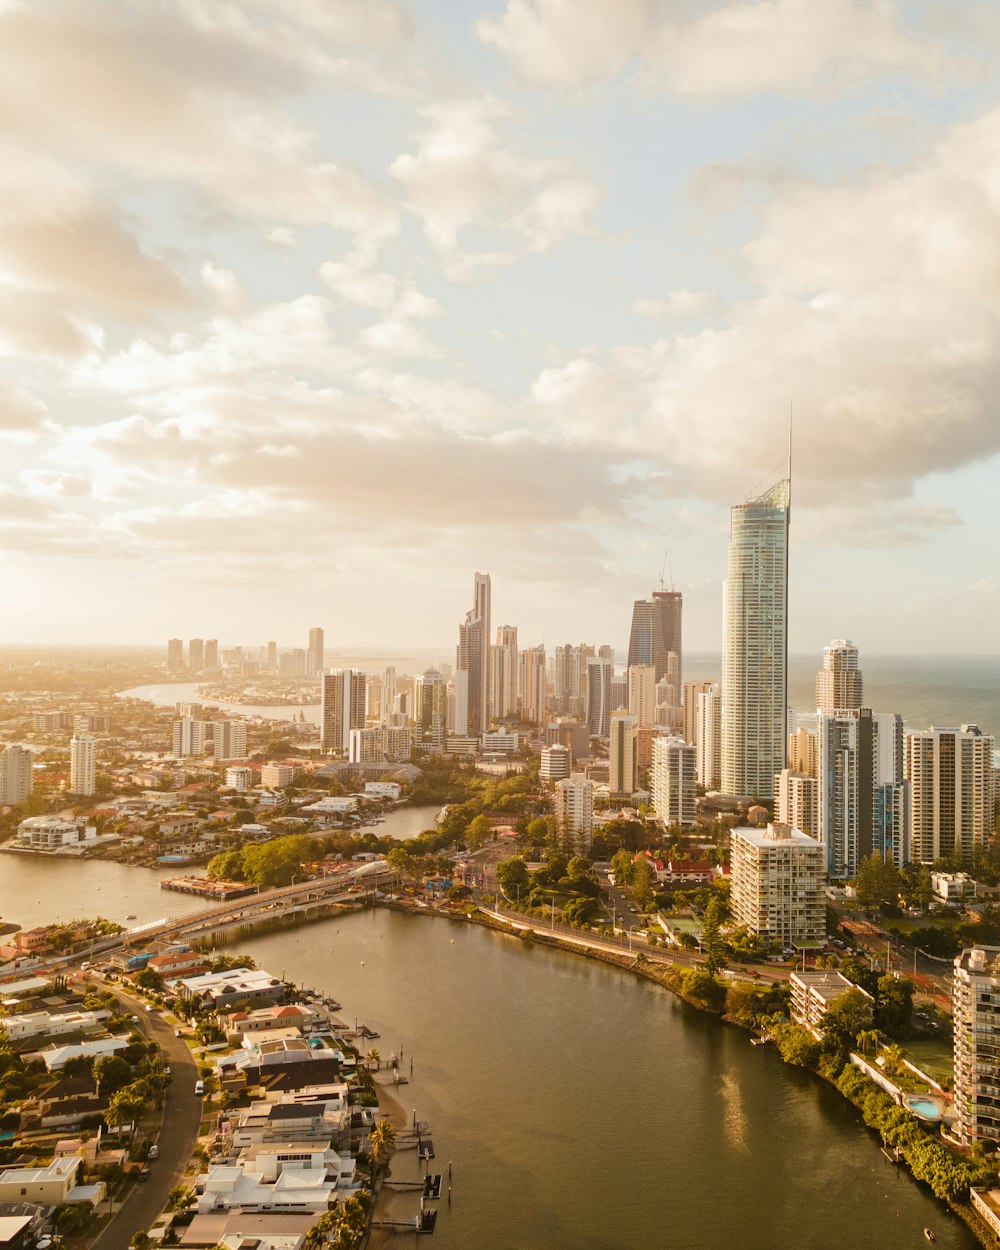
x: 599, y: 674
x: 573, y: 804
x: 472, y: 714
x: 976, y: 1014
x: 689, y: 703
x: 623, y: 779
x: 838, y: 682
x: 803, y: 752
x: 430, y: 697
x: 555, y: 763
x: 672, y: 781
x: 292, y: 663
x: 397, y: 742
x: 175, y: 654
x: 656, y: 631
x: 858, y: 752
x: 642, y: 694
x: 82, y: 764
x: 315, y: 653
x: 777, y: 885
x: 211, y: 653
x: 755, y: 644
x: 531, y: 686
x: 196, y: 655
x: 16, y: 775
x: 796, y: 801
x: 342, y: 707
x: 228, y: 739
x: 950, y: 772
x: 708, y: 736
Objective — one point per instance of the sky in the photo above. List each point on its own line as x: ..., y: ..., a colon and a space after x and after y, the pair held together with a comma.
x: 311, y: 308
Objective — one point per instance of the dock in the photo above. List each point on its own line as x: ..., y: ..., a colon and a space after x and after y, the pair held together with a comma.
x: 223, y: 891
x: 425, y: 1148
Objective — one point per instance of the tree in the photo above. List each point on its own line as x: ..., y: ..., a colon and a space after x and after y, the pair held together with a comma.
x: 512, y: 875
x: 641, y: 885
x: 373, y: 1059
x: 849, y: 1014
x: 478, y: 832
x: 711, y: 941
x: 894, y: 996
x: 381, y: 1139
x: 149, y: 979
x: 125, y: 1107
x: 878, y: 882
x: 622, y: 865
x: 111, y: 1073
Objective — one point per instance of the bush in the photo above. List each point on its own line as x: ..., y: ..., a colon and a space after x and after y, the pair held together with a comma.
x: 703, y: 990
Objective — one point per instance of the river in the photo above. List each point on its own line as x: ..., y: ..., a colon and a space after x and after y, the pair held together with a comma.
x: 37, y: 889
x: 587, y: 1110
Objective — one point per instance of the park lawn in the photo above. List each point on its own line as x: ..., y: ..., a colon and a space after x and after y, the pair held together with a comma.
x: 933, y: 1057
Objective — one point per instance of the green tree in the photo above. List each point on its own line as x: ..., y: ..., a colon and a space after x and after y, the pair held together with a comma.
x: 478, y: 832
x: 848, y: 1015
x: 878, y: 882
x: 512, y: 876
x: 641, y: 885
x: 149, y: 979
x: 111, y: 1073
x: 711, y: 941
x: 894, y: 996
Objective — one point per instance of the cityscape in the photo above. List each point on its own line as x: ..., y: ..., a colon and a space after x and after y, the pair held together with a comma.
x: 499, y: 685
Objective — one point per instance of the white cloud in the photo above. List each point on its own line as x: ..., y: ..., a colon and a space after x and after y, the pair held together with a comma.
x: 734, y: 49
x: 678, y: 305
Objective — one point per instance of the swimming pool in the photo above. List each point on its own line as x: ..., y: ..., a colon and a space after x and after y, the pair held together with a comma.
x: 924, y: 1106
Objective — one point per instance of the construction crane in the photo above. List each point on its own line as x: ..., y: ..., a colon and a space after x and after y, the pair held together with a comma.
x: 666, y: 565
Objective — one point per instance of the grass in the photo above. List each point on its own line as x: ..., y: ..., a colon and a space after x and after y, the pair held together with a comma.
x: 933, y: 1057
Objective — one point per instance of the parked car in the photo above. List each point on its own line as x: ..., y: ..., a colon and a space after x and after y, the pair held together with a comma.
x: 154, y: 1151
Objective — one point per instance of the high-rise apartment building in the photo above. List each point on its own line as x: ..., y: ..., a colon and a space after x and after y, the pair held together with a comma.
x: 555, y: 763
x: 367, y: 746
x: 430, y: 698
x: 531, y: 685
x: 777, y: 884
x: 573, y: 805
x: 228, y: 739
x: 212, y: 653
x: 672, y: 781
x: 505, y: 672
x: 803, y: 752
x: 389, y: 691
x: 976, y: 1014
x: 859, y: 752
x: 642, y: 693
x: 838, y: 683
x: 796, y: 801
x: 82, y: 764
x: 656, y: 631
x: 196, y: 654
x: 622, y: 778
x: 272, y: 658
x: 473, y: 659
x: 599, y: 674
x: 950, y: 772
x: 188, y: 737
x: 175, y: 654
x: 343, y: 694
x: 16, y: 775
x: 708, y: 736
x: 755, y: 644
x: 315, y: 653
x: 689, y: 703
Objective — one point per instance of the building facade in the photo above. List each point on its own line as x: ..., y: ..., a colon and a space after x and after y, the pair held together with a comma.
x: 976, y: 1015
x: 656, y: 631
x: 642, y: 693
x: 777, y: 884
x: 473, y: 659
x: 16, y: 775
x: 839, y: 685
x: 343, y: 695
x: 82, y: 764
x: 573, y: 803
x: 708, y: 736
x: 672, y: 781
x: 755, y: 644
x: 796, y: 801
x: 623, y: 780
x: 950, y: 772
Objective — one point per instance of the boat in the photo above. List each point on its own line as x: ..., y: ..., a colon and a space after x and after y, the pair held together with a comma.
x: 930, y: 1235
x: 131, y: 916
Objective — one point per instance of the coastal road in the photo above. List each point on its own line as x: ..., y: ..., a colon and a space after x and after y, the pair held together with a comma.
x: 177, y: 1138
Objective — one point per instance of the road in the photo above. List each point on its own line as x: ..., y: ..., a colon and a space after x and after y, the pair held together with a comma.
x: 176, y: 1140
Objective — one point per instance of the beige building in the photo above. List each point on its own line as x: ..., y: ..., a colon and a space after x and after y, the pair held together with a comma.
x: 689, y: 701
x: 574, y: 813
x: 277, y: 776
x: 777, y: 884
x: 950, y: 772
x: 708, y: 737
x: 803, y: 752
x: 838, y: 683
x: 976, y: 1010
x: 82, y: 764
x: 815, y: 991
x: 642, y: 694
x: 672, y: 781
x: 622, y: 779
x: 796, y: 801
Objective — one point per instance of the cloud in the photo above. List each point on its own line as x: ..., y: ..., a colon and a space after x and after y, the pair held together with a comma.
x: 22, y: 416
x: 463, y: 177
x: 733, y: 49
x: 678, y: 305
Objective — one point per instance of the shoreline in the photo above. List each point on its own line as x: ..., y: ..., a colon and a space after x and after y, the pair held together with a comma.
x: 392, y: 1110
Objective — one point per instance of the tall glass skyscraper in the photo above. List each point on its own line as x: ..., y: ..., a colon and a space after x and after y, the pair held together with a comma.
x: 656, y: 631
x: 755, y: 644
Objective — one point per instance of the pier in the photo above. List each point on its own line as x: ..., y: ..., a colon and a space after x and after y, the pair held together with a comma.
x: 223, y: 891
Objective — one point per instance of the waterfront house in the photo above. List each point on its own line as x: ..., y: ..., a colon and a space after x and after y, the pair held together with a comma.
x: 815, y: 991
x: 237, y: 985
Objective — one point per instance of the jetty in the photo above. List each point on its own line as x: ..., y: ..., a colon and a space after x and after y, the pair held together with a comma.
x: 223, y: 891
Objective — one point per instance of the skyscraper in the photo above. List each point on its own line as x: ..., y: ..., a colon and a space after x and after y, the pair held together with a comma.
x: 229, y: 739
x: 622, y: 778
x: 708, y: 736
x: 82, y: 764
x: 212, y: 653
x: 342, y: 698
x: 531, y: 684
x: 689, y: 701
x: 430, y: 697
x: 672, y: 781
x: 272, y: 657
x: 175, y: 654
x: 315, y: 654
x: 950, y: 772
x: 573, y: 806
x: 599, y: 709
x: 196, y: 655
x: 642, y: 693
x: 474, y: 658
x: 839, y: 683
x: 656, y: 631
x: 16, y: 775
x: 503, y: 685
x: 755, y: 644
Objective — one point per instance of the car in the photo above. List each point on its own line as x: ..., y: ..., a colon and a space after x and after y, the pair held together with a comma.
x: 149, y: 1006
x: 154, y: 1151
x: 178, y: 1033
x: 199, y: 1087
x: 143, y: 1174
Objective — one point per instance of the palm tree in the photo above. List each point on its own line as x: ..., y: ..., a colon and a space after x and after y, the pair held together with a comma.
x: 381, y: 1141
x: 373, y: 1059
x: 869, y: 1037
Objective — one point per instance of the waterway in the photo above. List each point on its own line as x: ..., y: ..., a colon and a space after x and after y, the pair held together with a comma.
x: 583, y: 1108
x: 166, y: 694
x: 37, y: 889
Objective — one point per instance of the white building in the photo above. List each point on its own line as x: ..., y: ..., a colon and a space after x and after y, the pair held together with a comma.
x: 708, y: 736
x: 51, y: 1186
x: 188, y: 737
x: 366, y: 746
x: 839, y: 683
x: 815, y: 991
x: 16, y: 775
x: 777, y: 884
x: 672, y: 781
x: 239, y: 777
x: 976, y: 1012
x: 82, y: 764
x: 796, y: 801
x: 953, y: 887
x: 501, y: 742
x: 52, y: 833
x: 555, y: 763
x: 277, y: 776
x: 950, y: 772
x: 47, y: 1024
x: 383, y: 790
x: 229, y: 739
x: 574, y: 813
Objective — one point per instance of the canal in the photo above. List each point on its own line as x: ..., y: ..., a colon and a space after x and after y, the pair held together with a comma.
x: 583, y: 1108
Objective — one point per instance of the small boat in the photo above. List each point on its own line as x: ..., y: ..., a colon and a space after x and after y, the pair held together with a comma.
x: 930, y: 1235
x: 130, y: 916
